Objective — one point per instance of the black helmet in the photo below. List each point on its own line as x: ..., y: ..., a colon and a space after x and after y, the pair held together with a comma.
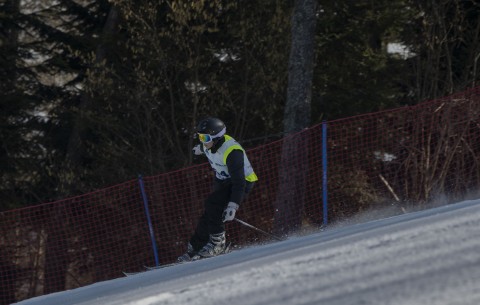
x: 211, y: 126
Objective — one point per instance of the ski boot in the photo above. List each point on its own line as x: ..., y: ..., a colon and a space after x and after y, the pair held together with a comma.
x: 215, y: 246
x: 189, y: 256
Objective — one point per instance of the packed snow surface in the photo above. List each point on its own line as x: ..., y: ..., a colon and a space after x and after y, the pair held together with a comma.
x: 428, y: 257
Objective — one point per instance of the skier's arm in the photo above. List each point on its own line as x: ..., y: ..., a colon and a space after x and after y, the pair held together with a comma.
x: 236, y: 169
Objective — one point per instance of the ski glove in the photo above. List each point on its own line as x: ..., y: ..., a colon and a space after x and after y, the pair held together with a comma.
x: 197, y: 150
x: 229, y: 212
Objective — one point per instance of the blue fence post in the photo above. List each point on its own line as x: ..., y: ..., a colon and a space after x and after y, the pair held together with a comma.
x: 324, y: 168
x: 149, y: 220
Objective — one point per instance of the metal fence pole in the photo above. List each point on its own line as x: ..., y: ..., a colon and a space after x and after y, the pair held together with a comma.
x: 149, y: 220
x: 325, y: 176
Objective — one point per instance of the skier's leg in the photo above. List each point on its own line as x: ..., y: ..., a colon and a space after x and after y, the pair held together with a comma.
x: 209, y: 223
x: 214, y: 206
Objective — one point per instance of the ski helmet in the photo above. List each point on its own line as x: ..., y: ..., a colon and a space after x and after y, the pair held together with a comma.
x: 211, y: 126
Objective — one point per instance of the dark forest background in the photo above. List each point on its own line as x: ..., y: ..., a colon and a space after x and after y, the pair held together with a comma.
x: 95, y: 92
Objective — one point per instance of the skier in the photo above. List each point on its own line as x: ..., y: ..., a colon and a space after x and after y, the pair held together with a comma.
x: 234, y: 178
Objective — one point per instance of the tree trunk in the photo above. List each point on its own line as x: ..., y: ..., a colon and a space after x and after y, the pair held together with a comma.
x: 294, y: 165
x: 56, y: 253
x: 76, y: 146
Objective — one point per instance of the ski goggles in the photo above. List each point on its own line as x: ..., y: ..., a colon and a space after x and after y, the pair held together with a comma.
x: 204, y: 138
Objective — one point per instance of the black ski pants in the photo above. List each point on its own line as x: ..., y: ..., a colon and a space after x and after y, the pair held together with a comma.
x: 211, y: 221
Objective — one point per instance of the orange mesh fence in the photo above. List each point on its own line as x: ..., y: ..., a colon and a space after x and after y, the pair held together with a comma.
x: 407, y: 157
x: 72, y: 242
x: 400, y: 160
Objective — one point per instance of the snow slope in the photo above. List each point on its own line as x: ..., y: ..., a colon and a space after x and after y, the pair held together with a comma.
x: 428, y: 257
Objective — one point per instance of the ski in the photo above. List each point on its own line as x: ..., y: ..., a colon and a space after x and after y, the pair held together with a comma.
x: 196, y: 258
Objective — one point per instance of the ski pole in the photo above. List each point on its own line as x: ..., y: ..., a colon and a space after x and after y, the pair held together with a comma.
x: 259, y: 230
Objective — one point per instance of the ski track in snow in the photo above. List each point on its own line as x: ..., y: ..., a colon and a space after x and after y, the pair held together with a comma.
x: 428, y: 257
